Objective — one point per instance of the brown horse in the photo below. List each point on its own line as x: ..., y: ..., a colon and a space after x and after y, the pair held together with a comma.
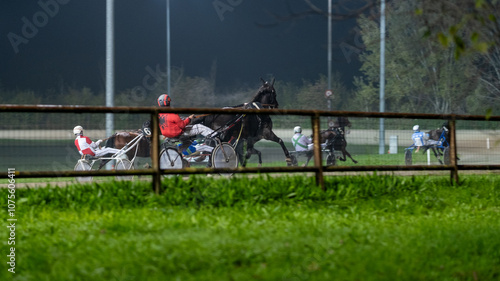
x: 120, y: 139
x: 335, y: 138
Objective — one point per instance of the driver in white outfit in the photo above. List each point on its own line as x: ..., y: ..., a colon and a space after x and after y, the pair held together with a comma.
x: 87, y: 147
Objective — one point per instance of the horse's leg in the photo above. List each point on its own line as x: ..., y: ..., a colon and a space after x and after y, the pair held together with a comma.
x: 254, y: 151
x: 345, y: 152
x: 251, y: 150
x: 439, y: 151
x: 331, y: 148
x: 437, y: 155
x: 425, y: 149
x: 240, y: 151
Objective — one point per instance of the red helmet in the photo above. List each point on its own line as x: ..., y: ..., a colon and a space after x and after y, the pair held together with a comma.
x: 164, y: 100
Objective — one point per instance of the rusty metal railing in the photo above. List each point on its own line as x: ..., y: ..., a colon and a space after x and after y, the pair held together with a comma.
x: 315, y: 115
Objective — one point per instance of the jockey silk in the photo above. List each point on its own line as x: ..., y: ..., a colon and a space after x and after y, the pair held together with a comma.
x: 300, y: 142
x: 418, y: 138
x: 85, y: 145
x: 171, y: 125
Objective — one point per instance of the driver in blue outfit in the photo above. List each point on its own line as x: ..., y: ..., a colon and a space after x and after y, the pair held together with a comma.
x: 418, y: 137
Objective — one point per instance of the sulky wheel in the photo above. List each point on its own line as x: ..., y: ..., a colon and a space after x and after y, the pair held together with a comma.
x: 124, y: 164
x: 331, y: 160
x: 224, y: 156
x: 408, y: 157
x: 170, y: 158
x: 83, y: 165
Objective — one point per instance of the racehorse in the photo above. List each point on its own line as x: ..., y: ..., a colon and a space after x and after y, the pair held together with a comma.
x: 441, y: 137
x: 121, y: 139
x: 335, y: 138
x: 250, y: 128
x: 436, y: 134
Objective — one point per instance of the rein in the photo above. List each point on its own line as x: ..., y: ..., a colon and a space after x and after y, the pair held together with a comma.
x: 240, y: 105
x: 230, y: 124
x: 239, y: 135
x: 203, y: 115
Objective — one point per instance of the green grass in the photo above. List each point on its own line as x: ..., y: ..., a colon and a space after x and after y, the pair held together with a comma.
x: 362, y: 228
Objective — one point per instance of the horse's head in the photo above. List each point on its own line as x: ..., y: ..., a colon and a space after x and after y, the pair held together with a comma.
x: 341, y: 122
x: 266, y: 95
x: 436, y: 134
x: 446, y: 126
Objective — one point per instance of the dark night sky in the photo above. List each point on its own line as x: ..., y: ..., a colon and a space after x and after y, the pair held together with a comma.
x: 70, y: 45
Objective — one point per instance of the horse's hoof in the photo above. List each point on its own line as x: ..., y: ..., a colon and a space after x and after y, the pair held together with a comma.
x: 260, y: 165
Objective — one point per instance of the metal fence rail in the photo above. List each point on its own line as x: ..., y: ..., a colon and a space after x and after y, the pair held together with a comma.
x: 315, y: 115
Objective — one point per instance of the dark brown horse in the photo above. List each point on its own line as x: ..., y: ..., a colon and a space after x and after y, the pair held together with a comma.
x: 441, y: 137
x: 120, y: 139
x: 250, y: 128
x: 441, y: 134
x: 335, y: 138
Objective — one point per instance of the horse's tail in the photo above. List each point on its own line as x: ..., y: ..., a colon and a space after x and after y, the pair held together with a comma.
x: 111, y: 141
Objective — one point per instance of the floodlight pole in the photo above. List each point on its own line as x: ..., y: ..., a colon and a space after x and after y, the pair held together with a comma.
x: 110, y: 65
x: 381, y: 149
x: 329, y: 101
x: 329, y: 46
x: 168, y: 48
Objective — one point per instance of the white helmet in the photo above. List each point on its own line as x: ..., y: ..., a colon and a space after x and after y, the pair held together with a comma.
x: 78, y: 130
x: 297, y: 129
x: 416, y: 128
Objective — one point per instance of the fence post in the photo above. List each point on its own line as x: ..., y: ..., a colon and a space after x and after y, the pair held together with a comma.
x: 155, y: 152
x: 453, y: 151
x: 317, y: 151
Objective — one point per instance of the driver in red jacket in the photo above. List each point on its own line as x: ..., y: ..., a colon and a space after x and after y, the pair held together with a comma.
x: 171, y: 125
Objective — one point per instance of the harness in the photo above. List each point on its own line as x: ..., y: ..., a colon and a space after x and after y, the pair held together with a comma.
x: 238, y: 118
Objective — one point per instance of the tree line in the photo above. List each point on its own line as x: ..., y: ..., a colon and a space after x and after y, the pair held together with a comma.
x: 435, y: 63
